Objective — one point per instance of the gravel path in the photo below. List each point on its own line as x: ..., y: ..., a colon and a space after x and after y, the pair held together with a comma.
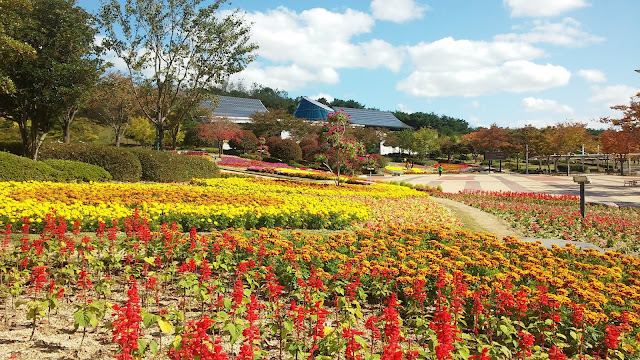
x: 478, y: 220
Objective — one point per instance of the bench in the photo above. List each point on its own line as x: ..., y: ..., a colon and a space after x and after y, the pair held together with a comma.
x: 396, y: 173
x: 630, y: 183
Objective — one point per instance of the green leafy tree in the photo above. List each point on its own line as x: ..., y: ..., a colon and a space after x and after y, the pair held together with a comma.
x: 352, y: 104
x: 140, y: 130
x: 46, y: 85
x: 12, y: 48
x: 424, y: 142
x: 185, y: 46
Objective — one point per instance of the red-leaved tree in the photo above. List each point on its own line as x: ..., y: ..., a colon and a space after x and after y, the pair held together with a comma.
x: 219, y: 130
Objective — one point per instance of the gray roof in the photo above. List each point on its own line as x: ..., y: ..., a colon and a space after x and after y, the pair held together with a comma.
x: 375, y: 118
x: 235, y: 107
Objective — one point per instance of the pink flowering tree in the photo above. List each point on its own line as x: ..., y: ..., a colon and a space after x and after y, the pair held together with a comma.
x: 339, y: 153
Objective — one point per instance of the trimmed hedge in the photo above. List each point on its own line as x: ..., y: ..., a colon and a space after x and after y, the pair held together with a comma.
x: 200, y: 168
x: 19, y: 168
x: 122, y: 164
x: 75, y: 170
x: 161, y: 166
x: 15, y: 148
x: 286, y: 150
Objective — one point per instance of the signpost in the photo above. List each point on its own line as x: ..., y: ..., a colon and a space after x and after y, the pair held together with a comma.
x: 495, y: 155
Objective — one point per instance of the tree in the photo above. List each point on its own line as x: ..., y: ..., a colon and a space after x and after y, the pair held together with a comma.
x: 340, y: 153
x: 567, y: 138
x: 275, y: 121
x: 12, y: 49
x: 402, y: 139
x: 45, y: 85
x: 445, y: 125
x: 267, y: 124
x: 219, y: 130
x: 140, y: 130
x: 424, y: 142
x: 491, y: 139
x: 245, y: 141
x: 352, y: 104
x: 451, y: 145
x: 527, y: 138
x: 186, y: 47
x: 112, y: 104
x: 370, y: 137
x: 620, y: 143
x: 630, y: 120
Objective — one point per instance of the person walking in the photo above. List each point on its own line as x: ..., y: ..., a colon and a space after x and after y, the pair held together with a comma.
x: 440, y: 170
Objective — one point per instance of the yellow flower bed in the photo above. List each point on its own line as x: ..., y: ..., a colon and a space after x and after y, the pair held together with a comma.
x: 205, y: 204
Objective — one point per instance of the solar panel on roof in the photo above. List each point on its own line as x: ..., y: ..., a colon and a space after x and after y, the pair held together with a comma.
x: 229, y: 106
x: 374, y: 118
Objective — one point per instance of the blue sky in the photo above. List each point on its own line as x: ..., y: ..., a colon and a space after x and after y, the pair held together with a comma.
x: 509, y: 62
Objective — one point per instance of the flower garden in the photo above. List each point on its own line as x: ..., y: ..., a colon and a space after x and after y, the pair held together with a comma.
x: 233, y: 269
x: 558, y: 216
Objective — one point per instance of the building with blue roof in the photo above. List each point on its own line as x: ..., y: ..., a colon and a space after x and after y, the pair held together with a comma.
x: 313, y: 110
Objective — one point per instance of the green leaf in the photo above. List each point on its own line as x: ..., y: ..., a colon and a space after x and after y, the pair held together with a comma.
x: 148, y: 319
x: 153, y: 346
x: 81, y: 318
x: 142, y: 345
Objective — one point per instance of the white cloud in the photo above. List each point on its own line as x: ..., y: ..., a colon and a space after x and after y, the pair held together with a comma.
x: 397, y: 10
x: 542, y: 8
x: 290, y: 77
x: 296, y: 49
x: 592, y: 75
x: 568, y: 32
x: 448, y: 54
x: 404, y: 108
x: 532, y: 104
x: 327, y: 97
x: 449, y: 67
x: 613, y: 95
x: 318, y: 38
x: 475, y: 104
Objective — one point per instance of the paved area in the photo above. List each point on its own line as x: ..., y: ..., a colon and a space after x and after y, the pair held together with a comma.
x: 608, y: 189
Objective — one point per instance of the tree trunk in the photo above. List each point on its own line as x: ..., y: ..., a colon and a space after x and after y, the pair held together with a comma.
x: 66, y: 133
x: 67, y: 118
x: 117, y: 133
x: 159, y: 137
x: 174, y: 136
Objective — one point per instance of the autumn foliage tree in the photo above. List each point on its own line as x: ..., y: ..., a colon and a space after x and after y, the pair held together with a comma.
x: 491, y: 139
x: 619, y: 142
x: 112, y: 103
x: 219, y: 130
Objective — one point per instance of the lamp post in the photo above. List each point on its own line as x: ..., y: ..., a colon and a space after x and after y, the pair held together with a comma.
x: 582, y: 180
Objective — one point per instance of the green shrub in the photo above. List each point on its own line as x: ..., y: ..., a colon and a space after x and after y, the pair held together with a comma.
x: 18, y: 168
x: 161, y: 166
x: 75, y: 170
x: 122, y: 164
x: 250, y: 156
x: 286, y: 150
x: 198, y: 167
